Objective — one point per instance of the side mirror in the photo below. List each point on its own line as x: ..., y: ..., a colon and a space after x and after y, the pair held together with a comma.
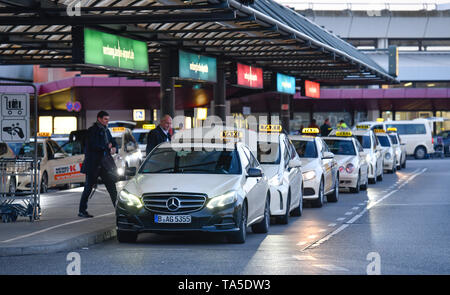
x: 295, y: 163
x: 328, y: 155
x: 59, y: 156
x: 130, y: 171
x: 254, y: 172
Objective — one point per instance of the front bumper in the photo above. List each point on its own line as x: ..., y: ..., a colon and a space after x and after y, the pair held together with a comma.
x: 348, y: 180
x: 388, y: 164
x: 310, y: 190
x: 142, y: 220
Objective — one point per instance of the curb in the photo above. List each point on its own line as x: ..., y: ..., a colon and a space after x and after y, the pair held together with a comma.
x: 66, y: 245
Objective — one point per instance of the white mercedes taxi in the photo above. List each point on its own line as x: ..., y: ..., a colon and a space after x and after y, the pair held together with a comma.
x: 400, y: 148
x: 388, y: 151
x: 351, y: 158
x: 282, y: 166
x: 58, y: 169
x: 372, y: 148
x: 128, y: 152
x: 320, y: 169
x: 190, y: 185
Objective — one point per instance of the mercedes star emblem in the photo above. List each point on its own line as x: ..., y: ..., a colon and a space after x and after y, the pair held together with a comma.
x: 173, y: 204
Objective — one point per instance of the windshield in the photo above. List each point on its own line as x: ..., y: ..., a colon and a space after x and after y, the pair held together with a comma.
x: 384, y: 140
x: 341, y: 147
x: 141, y: 137
x: 168, y: 160
x: 393, y: 139
x: 27, y: 150
x: 305, y: 148
x: 364, y: 140
x: 268, y: 152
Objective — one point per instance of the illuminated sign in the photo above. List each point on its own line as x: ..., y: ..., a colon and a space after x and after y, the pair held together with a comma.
x: 285, y: 84
x: 270, y: 128
x: 149, y: 126
x: 311, y: 89
x: 249, y: 76
x: 310, y: 130
x: 231, y: 134
x: 344, y: 133
x: 115, y: 51
x: 197, y: 67
x: 118, y: 129
x: 201, y: 113
x: 363, y: 127
x: 138, y: 115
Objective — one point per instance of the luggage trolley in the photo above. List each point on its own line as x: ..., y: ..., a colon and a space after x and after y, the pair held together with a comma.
x: 12, y: 202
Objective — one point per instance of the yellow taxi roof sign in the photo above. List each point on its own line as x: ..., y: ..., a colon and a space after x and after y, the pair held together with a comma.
x: 364, y: 127
x: 44, y: 134
x: 392, y: 129
x: 380, y: 120
x: 270, y: 128
x: 344, y: 133
x: 118, y: 129
x: 310, y: 131
x: 231, y: 134
x: 378, y: 130
x: 149, y: 126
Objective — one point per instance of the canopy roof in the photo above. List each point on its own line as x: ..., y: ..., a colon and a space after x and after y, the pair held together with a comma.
x: 264, y: 34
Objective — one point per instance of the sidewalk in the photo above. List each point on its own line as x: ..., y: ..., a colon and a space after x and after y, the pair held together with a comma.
x: 60, y: 229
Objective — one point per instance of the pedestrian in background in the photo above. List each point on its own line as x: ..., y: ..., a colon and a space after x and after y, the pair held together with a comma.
x: 99, y: 144
x: 325, y: 129
x: 159, y: 134
x: 341, y: 125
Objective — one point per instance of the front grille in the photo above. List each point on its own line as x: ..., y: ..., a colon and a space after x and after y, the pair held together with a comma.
x: 307, y: 191
x: 187, y: 202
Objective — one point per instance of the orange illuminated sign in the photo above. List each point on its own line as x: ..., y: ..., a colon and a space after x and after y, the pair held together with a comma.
x: 312, y: 89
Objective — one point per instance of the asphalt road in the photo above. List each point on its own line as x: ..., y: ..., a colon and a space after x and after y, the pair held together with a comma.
x: 398, y: 226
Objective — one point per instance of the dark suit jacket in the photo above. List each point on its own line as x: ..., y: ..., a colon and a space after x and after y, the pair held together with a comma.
x: 95, y: 149
x: 155, y: 137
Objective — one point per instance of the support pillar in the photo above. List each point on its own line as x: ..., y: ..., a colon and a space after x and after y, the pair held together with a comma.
x: 167, y: 89
x: 285, y: 112
x: 220, y: 92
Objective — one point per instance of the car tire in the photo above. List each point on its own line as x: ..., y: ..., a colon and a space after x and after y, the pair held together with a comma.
x: 284, y: 219
x: 404, y: 165
x: 334, y: 196
x: 44, y: 183
x: 318, y: 203
x: 420, y: 153
x: 299, y: 210
x: 262, y: 227
x: 126, y: 236
x: 380, y: 177
x: 364, y: 186
x: 356, y: 189
x: 240, y: 236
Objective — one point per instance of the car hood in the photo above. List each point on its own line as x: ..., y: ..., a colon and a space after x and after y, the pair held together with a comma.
x: 342, y: 159
x: 270, y: 170
x: 211, y: 184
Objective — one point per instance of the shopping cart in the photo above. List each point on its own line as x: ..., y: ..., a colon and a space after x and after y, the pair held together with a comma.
x: 15, y: 203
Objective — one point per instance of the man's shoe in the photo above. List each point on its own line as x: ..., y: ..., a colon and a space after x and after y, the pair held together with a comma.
x: 85, y: 215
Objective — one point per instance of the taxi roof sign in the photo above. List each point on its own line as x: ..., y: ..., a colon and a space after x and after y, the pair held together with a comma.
x: 270, y: 128
x: 363, y: 127
x: 344, y: 133
x: 149, y: 126
x: 380, y: 120
x: 231, y: 134
x: 310, y: 131
x: 118, y: 129
x: 44, y: 134
x: 378, y: 130
x: 392, y: 129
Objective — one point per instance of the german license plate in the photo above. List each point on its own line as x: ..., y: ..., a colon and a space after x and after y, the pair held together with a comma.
x: 172, y: 218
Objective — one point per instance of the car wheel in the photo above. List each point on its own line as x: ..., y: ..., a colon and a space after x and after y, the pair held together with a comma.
x: 262, y: 227
x: 240, y: 236
x: 420, y: 153
x: 356, y: 188
x: 285, y: 218
x: 404, y: 164
x: 126, y: 236
x: 380, y: 177
x: 299, y: 210
x: 334, y: 196
x: 44, y: 183
x: 318, y: 203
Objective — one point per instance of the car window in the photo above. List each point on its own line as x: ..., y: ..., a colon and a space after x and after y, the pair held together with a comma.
x: 409, y: 129
x: 292, y: 150
x: 341, y: 147
x: 364, y: 140
x: 384, y: 140
x: 27, y: 150
x: 393, y: 138
x: 286, y: 155
x: 359, y: 146
x: 141, y: 137
x: 305, y: 148
x: 168, y: 160
x: 55, y: 147
x: 246, y: 160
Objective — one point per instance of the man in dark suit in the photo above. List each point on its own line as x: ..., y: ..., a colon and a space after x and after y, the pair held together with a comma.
x: 159, y: 134
x: 99, y: 142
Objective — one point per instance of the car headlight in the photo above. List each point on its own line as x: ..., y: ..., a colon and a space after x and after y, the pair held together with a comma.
x: 222, y: 200
x: 130, y: 199
x: 120, y: 171
x: 276, y: 180
x: 349, y: 168
x: 387, y: 156
x: 309, y: 175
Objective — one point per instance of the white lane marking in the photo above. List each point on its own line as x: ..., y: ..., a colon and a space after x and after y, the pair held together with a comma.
x: 305, y: 257
x: 355, y: 208
x: 340, y: 219
x: 332, y: 224
x: 54, y: 227
x: 301, y: 243
x: 348, y: 213
x: 330, y: 267
x: 356, y: 217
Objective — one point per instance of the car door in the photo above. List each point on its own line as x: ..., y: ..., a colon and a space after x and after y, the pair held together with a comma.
x: 362, y: 159
x: 253, y: 187
x: 292, y: 174
x: 378, y: 153
x: 58, y: 164
x: 327, y: 165
x: 296, y: 184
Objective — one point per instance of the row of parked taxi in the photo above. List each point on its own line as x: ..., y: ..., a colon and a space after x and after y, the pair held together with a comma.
x: 224, y: 179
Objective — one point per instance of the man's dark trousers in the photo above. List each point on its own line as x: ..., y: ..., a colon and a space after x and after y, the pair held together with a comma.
x: 89, y: 184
